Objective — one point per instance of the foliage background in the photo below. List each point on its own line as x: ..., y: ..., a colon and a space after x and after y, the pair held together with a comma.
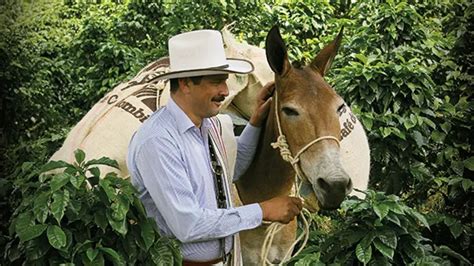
x: 405, y: 67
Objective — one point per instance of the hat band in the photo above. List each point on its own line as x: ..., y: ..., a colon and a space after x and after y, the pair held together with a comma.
x: 198, y: 69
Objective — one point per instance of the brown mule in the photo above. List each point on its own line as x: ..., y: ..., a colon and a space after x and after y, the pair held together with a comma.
x: 307, y: 109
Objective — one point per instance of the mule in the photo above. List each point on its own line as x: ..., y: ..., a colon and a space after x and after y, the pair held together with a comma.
x: 307, y: 108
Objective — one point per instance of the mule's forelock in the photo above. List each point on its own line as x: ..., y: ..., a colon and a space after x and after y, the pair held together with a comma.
x: 322, y: 62
x: 277, y: 55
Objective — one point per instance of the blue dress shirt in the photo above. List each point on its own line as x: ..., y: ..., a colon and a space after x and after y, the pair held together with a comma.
x: 169, y: 162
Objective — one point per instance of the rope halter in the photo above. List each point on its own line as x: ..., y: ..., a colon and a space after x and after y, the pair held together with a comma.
x: 282, y: 144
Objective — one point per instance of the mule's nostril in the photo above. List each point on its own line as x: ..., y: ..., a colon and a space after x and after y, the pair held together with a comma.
x: 323, y: 184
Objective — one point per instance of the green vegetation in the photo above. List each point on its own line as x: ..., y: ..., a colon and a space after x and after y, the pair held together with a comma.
x: 79, y: 217
x: 405, y: 67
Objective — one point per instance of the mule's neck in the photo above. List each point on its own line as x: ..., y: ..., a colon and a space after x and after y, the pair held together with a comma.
x: 268, y: 175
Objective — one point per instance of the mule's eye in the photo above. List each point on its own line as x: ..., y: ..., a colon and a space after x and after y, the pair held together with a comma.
x: 290, y: 111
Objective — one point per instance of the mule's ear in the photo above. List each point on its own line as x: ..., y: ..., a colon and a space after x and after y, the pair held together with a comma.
x: 275, y: 49
x: 324, y: 59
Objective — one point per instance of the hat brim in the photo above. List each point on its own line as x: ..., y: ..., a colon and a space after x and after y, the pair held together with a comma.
x: 238, y: 66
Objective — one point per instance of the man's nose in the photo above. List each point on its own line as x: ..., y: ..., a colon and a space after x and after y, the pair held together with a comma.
x: 224, y: 89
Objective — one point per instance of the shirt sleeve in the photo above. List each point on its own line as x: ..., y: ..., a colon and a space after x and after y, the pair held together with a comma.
x: 246, y: 148
x: 165, y: 178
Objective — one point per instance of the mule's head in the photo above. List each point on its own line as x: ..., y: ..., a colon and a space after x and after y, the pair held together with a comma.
x: 307, y: 107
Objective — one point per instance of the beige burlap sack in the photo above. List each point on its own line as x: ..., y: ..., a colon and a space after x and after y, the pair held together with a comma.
x: 241, y: 102
x: 107, y: 128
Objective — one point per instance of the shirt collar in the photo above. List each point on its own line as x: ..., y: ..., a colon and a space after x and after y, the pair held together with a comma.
x: 183, y: 122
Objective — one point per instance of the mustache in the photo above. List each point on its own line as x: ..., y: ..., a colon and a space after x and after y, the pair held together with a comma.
x: 218, y: 99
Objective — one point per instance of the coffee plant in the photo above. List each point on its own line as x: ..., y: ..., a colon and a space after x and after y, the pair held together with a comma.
x: 77, y: 216
x: 378, y: 230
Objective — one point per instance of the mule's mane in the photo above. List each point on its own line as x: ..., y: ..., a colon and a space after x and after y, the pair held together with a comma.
x: 298, y: 64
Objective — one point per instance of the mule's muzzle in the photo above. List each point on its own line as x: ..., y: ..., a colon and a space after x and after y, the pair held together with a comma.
x: 332, y: 191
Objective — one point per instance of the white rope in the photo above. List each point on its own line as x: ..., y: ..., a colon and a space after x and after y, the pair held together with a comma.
x: 275, y: 227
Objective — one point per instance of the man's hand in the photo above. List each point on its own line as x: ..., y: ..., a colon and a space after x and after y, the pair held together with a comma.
x: 281, y: 209
x: 263, y: 105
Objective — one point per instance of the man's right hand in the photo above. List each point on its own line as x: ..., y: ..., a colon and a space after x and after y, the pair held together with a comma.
x: 281, y: 209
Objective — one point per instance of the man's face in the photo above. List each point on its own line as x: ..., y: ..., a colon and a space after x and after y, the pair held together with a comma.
x: 207, y: 96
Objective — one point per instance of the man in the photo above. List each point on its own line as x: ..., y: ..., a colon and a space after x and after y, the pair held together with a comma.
x: 176, y: 158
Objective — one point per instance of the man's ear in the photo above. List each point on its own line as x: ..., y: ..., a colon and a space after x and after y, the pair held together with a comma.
x: 184, y: 85
x: 324, y: 59
x: 275, y: 49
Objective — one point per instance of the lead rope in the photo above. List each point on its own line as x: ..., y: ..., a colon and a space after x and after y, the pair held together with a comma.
x: 275, y: 227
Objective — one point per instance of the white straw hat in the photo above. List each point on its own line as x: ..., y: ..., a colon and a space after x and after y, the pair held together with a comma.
x: 201, y: 53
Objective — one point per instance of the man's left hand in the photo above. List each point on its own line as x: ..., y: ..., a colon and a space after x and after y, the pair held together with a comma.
x: 264, y: 100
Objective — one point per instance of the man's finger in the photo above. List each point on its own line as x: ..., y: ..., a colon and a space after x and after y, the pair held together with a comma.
x: 267, y: 90
x: 266, y: 104
x: 298, y: 203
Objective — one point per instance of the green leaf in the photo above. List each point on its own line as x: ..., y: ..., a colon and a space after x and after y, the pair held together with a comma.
x: 364, y: 254
x: 139, y: 206
x: 368, y: 122
x: 394, y: 207
x: 36, y: 249
x: 69, y: 240
x: 119, y: 226
x: 398, y: 133
x: 147, y: 233
x: 361, y: 57
x: 411, y: 86
x: 457, y: 167
x: 407, y: 123
x: 161, y: 254
x: 412, y: 250
x: 120, y: 208
x: 79, y: 155
x: 23, y: 221
x: 101, y: 220
x: 388, y: 238
x: 103, y: 161
x: 386, y: 132
x: 59, y: 181
x: 419, y: 217
x: 447, y: 250
x: 56, y: 236
x: 108, y: 189
x: 31, y: 232
x: 467, y: 184
x: 40, y: 206
x: 367, y: 240
x: 77, y: 180
x: 469, y: 163
x: 438, y: 136
x: 419, y: 139
x: 95, y: 171
x: 80, y: 247
x: 429, y: 122
x: 393, y: 218
x: 455, y: 226
x: 54, y: 165
x: 75, y: 206
x: 98, y: 260
x: 116, y: 258
x: 384, y: 249
x: 59, y: 204
x: 92, y: 253
x: 381, y: 210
